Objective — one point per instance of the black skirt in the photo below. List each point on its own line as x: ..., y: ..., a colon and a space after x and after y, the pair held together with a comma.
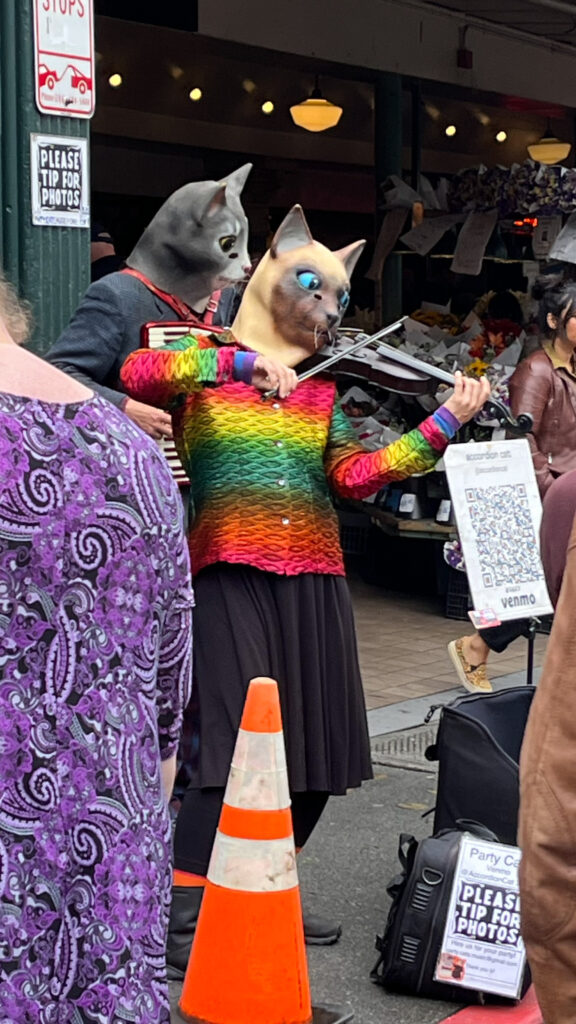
x: 298, y: 630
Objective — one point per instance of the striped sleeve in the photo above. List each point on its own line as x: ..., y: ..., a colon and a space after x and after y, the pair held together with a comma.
x: 354, y: 472
x: 158, y: 376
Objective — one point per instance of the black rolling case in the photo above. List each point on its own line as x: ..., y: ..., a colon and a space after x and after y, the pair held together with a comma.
x: 478, y: 750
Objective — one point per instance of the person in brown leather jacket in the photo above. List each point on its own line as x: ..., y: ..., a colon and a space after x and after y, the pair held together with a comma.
x: 547, y: 826
x: 543, y: 385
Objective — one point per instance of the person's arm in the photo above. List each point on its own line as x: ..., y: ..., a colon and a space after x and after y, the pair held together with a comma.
x: 354, y: 472
x: 93, y: 342
x: 530, y: 388
x: 159, y: 376
x: 168, y: 774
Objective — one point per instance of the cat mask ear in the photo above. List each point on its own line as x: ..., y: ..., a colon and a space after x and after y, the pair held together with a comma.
x: 292, y: 233
x: 350, y: 255
x: 215, y: 201
x: 217, y: 197
x: 237, y: 179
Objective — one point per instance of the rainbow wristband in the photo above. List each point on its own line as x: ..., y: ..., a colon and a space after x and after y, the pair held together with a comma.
x: 244, y: 366
x: 447, y: 421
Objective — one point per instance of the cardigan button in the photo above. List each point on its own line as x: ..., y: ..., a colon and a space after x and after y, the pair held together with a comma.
x: 279, y: 444
x: 285, y: 521
x: 275, y: 405
x: 281, y: 482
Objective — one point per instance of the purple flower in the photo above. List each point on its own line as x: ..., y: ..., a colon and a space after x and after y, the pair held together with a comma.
x: 454, y: 556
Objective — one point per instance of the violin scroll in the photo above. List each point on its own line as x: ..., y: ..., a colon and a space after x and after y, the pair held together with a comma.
x: 519, y: 426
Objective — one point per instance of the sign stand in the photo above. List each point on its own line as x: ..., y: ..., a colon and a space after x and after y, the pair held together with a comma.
x: 532, y: 623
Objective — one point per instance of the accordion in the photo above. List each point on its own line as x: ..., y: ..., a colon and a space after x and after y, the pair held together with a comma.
x: 156, y: 335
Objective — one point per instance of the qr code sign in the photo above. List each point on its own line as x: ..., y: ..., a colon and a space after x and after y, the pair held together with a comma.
x: 506, y: 542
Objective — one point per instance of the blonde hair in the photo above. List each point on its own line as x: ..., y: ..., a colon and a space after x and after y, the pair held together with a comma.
x: 14, y: 313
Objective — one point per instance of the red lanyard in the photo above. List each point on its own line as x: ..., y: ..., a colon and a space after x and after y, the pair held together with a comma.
x: 184, y: 312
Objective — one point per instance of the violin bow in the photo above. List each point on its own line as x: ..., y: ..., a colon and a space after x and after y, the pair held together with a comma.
x: 519, y: 426
x: 361, y: 342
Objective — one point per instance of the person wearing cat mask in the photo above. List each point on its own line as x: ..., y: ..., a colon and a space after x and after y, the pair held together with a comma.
x: 195, y: 245
x: 272, y: 599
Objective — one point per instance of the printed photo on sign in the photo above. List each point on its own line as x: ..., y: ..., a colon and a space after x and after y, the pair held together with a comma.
x: 498, y: 511
x: 482, y: 948
x: 59, y: 179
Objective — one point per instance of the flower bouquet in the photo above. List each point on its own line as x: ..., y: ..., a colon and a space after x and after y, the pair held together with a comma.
x: 496, y: 336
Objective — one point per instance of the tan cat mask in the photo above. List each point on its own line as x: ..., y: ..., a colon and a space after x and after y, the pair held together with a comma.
x: 298, y: 293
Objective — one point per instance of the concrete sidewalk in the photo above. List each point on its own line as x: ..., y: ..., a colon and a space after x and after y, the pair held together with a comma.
x: 410, y: 713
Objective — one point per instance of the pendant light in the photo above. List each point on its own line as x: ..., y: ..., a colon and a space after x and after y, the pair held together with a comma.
x: 316, y: 114
x: 549, y: 149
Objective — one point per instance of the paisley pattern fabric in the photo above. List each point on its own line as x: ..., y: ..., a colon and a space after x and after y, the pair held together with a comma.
x: 262, y: 471
x: 95, y: 617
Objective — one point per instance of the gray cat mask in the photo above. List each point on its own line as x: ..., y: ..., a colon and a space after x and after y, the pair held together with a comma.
x: 197, y: 242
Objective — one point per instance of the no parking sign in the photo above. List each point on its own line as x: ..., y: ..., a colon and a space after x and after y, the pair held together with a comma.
x: 64, y: 57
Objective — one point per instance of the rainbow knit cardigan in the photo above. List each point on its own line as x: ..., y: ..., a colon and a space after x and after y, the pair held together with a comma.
x: 262, y: 471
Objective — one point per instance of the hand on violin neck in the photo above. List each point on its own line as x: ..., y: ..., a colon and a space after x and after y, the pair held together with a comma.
x: 271, y: 375
x: 468, y: 398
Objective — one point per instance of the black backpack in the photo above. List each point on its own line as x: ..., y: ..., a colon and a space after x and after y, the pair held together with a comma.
x: 420, y: 894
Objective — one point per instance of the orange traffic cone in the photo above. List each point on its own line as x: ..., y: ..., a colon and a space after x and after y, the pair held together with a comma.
x: 248, y: 962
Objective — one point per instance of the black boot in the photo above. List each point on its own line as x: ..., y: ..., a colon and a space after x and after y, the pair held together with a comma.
x: 318, y: 931
x: 184, y: 910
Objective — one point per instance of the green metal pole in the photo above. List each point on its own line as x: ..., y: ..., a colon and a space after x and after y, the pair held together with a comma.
x: 49, y: 266
x: 388, y: 160
x: 9, y: 139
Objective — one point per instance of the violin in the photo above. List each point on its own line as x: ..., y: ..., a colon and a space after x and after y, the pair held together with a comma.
x: 370, y: 359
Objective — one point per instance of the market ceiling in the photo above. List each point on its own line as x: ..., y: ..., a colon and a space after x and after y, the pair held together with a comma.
x: 547, y: 19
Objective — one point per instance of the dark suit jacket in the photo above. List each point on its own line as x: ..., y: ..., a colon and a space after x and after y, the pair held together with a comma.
x: 106, y: 327
x: 104, y: 330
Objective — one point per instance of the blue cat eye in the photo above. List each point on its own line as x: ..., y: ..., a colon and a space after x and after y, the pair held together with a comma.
x: 308, y: 280
x: 344, y: 299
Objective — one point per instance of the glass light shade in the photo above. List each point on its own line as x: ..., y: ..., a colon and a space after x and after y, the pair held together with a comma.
x: 316, y: 114
x: 549, y: 150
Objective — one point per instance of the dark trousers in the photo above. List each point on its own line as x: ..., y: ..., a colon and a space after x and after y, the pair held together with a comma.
x: 199, y: 816
x: 499, y: 637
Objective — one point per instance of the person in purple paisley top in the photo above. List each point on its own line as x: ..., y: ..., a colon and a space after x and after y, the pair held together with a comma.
x: 95, y: 628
